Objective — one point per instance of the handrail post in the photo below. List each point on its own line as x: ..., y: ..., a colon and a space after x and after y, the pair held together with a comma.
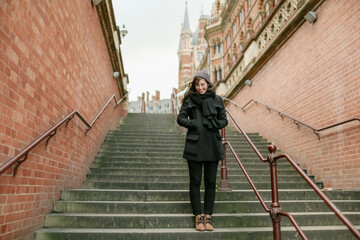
x: 224, y: 182
x: 275, y: 205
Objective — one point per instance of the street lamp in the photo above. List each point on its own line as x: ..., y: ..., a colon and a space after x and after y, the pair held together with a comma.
x: 123, y: 31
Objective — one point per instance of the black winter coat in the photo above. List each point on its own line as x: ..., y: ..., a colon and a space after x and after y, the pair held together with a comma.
x: 201, y: 143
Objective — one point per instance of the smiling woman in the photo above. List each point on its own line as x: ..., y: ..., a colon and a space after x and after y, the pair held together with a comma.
x: 203, y: 114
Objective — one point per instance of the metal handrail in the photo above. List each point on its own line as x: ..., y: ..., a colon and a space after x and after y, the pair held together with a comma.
x: 103, y: 108
x: 328, y: 202
x: 22, y: 156
x: 275, y: 211
x: 296, y: 121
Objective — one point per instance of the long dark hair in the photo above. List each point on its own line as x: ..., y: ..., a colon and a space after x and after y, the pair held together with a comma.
x: 192, y: 89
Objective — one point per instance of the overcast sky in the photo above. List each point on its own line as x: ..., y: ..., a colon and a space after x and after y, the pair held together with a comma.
x: 149, y: 50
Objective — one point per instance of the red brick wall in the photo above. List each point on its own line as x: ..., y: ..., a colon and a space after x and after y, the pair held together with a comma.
x: 315, y: 77
x: 53, y: 60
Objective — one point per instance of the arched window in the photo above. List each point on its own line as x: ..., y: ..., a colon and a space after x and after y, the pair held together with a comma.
x: 219, y: 72
x: 217, y: 48
x: 242, y: 17
x: 267, y: 9
x: 261, y: 11
x: 234, y: 52
x: 228, y: 41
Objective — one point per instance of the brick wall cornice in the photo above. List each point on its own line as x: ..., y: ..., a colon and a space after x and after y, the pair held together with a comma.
x: 111, y: 31
x: 220, y: 26
x: 287, y: 30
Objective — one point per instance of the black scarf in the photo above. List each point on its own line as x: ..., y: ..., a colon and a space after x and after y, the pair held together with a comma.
x: 206, y: 104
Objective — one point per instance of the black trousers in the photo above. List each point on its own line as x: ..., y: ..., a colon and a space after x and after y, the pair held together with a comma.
x: 195, y: 173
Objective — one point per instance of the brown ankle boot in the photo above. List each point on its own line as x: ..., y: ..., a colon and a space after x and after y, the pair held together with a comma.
x: 207, y: 223
x: 199, y: 223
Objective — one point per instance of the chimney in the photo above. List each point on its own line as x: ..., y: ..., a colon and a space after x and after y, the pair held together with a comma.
x: 157, y: 95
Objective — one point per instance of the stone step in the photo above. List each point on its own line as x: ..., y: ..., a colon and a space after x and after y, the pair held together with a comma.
x: 183, y: 178
x: 144, y: 130
x: 136, y: 137
x: 233, y: 139
x: 133, y: 138
x: 246, y: 152
x: 178, y: 143
x: 176, y: 131
x: 121, y: 149
x: 183, y: 195
x: 169, y: 154
x: 161, y: 158
x: 167, y: 171
x: 178, y: 156
x: 288, y: 233
x: 141, y: 154
x: 171, y: 147
x: 162, y: 207
x: 185, y: 185
x: 175, y: 220
x: 140, y: 134
x: 175, y: 162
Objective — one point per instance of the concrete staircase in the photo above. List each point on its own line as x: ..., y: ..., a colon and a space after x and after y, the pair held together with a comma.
x: 137, y: 189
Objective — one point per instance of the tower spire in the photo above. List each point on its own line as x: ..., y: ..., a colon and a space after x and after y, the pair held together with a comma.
x: 186, y: 25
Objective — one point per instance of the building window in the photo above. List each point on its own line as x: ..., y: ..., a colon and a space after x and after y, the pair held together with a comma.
x: 234, y: 29
x: 217, y: 48
x: 218, y: 75
x: 267, y: 9
x: 241, y: 16
x: 228, y: 41
x: 249, y: 3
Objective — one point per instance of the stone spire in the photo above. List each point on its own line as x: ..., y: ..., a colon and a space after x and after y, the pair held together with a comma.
x: 186, y: 25
x: 186, y: 34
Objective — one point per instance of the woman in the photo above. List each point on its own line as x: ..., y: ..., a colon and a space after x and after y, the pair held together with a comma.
x: 203, y: 113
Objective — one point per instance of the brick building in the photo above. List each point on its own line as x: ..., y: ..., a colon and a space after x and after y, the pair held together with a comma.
x: 151, y: 105
x: 192, y: 46
x: 309, y: 70
x: 55, y: 57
